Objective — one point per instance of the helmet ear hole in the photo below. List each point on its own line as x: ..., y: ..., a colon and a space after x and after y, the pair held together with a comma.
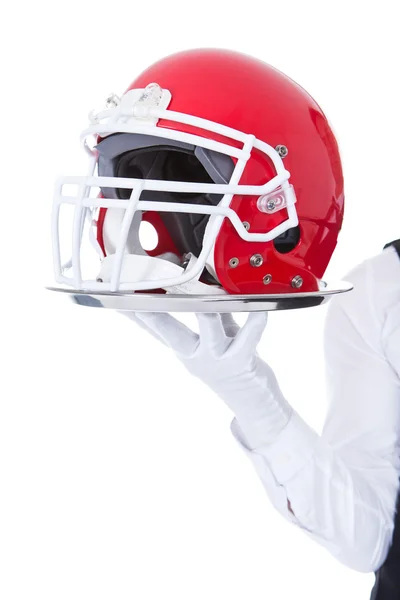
x: 286, y: 242
x: 148, y: 236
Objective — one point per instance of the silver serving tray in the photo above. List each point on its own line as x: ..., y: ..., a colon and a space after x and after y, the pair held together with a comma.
x: 202, y: 304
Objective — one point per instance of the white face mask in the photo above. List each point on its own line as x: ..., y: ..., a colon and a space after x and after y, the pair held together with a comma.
x: 138, y: 113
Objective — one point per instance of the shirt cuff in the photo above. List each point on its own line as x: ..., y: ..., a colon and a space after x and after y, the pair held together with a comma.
x: 289, y: 453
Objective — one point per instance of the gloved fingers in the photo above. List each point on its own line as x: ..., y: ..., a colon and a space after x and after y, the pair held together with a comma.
x: 212, y: 332
x: 182, y: 340
x: 250, y: 334
x: 229, y: 324
x: 132, y: 316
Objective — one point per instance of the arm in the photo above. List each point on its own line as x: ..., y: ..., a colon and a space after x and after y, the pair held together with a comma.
x: 341, y: 487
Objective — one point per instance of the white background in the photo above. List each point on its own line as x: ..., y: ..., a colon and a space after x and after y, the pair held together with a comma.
x: 119, y: 477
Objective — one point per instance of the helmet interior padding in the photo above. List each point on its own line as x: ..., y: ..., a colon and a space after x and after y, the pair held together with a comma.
x: 146, y: 157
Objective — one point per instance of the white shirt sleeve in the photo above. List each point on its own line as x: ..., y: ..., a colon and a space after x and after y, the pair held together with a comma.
x: 342, y: 485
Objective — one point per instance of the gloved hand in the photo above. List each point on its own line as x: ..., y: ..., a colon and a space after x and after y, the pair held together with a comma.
x: 224, y: 357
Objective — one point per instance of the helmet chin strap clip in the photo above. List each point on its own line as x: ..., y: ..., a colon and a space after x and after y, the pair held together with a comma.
x: 189, y: 260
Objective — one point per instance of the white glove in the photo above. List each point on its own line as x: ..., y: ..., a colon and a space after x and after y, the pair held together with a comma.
x: 224, y: 357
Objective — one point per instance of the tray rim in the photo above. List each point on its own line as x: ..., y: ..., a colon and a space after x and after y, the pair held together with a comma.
x: 143, y: 302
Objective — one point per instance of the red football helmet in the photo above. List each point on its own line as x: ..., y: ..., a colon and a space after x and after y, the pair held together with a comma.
x: 234, y: 165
